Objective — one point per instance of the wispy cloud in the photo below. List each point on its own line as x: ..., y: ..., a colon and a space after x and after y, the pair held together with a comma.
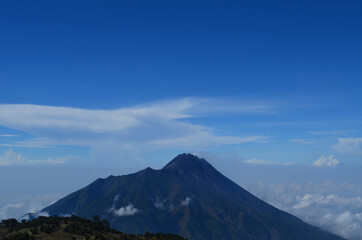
x: 304, y: 141
x: 265, y: 162
x: 349, y: 145
x: 324, y: 161
x: 153, y: 126
x: 11, y: 158
x: 8, y: 135
x: 31, y: 143
x: 330, y: 132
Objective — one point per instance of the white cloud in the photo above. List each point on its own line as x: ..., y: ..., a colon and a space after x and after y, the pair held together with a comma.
x: 8, y: 135
x: 149, y: 127
x: 265, y: 162
x: 326, y: 161
x: 347, y: 223
x: 125, y: 211
x: 186, y: 202
x: 349, y: 145
x: 11, y: 158
x: 331, y: 212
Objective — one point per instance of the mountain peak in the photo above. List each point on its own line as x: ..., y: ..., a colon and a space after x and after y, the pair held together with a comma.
x: 187, y: 197
x: 187, y: 162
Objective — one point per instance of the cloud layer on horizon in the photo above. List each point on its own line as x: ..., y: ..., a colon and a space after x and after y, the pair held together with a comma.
x: 336, y: 207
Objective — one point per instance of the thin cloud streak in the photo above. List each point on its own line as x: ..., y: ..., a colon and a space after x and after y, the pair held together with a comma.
x: 346, y: 132
x: 33, y: 118
x: 265, y: 162
x: 32, y: 143
x: 303, y: 141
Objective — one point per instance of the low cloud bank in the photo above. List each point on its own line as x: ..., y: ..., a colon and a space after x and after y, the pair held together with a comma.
x: 334, y: 207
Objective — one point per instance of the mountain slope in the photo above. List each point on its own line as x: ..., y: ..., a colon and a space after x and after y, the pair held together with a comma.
x: 187, y: 197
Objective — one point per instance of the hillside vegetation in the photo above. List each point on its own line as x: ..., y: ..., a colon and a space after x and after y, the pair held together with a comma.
x: 72, y: 228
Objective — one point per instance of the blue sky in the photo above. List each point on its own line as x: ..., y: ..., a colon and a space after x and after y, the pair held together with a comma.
x: 130, y: 84
x: 300, y: 62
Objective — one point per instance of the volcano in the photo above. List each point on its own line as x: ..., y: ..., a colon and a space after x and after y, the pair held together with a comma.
x: 188, y: 197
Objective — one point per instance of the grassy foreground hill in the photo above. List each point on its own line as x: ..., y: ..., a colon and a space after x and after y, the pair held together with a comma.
x: 72, y: 228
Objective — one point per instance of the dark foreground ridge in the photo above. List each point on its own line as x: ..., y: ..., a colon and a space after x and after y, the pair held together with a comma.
x: 73, y: 227
x: 187, y: 197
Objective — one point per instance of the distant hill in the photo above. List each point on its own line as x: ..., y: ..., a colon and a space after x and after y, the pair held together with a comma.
x: 71, y: 228
x: 187, y: 197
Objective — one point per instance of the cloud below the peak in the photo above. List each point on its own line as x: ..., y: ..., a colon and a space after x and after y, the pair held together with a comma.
x: 333, y: 206
x: 125, y: 211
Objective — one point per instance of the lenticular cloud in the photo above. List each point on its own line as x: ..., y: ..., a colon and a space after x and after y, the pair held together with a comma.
x: 148, y: 127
